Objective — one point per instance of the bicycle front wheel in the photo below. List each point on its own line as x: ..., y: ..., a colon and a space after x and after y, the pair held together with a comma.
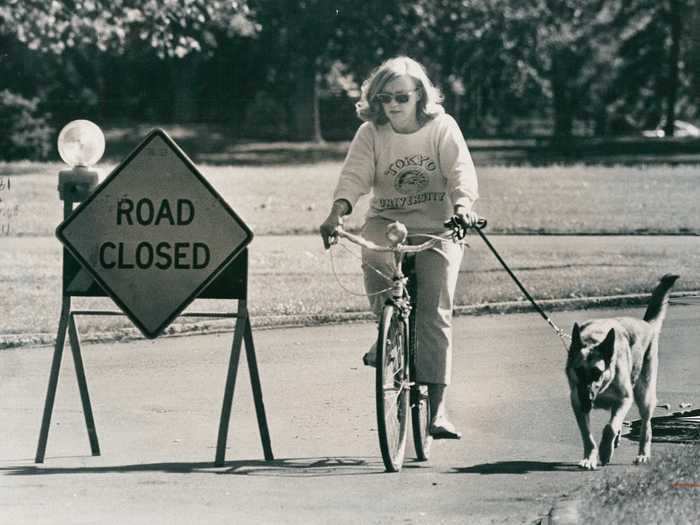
x: 392, y: 388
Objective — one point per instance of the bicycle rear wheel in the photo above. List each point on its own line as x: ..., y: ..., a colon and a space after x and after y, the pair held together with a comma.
x: 420, y: 419
x: 392, y: 388
x: 420, y: 403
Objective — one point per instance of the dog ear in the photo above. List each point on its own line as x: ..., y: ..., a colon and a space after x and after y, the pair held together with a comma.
x: 607, y: 347
x: 576, y: 344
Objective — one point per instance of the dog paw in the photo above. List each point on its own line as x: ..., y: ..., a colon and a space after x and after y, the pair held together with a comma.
x: 641, y: 459
x: 588, y: 463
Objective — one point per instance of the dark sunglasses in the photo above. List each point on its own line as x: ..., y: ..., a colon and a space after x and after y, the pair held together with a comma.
x: 401, y: 98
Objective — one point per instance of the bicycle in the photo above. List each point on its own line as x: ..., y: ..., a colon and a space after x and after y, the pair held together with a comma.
x: 396, y: 389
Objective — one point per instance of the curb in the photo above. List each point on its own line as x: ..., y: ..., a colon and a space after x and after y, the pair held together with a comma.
x: 564, y: 512
x: 297, y: 321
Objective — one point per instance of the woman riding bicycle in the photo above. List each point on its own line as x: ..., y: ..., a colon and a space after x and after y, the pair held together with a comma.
x: 413, y: 158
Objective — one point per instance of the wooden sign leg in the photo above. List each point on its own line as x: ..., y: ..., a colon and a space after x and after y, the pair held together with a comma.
x: 53, y: 380
x: 257, y: 390
x: 82, y: 385
x: 229, y: 388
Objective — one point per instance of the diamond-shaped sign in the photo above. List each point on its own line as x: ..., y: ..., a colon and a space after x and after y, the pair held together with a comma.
x: 154, y: 234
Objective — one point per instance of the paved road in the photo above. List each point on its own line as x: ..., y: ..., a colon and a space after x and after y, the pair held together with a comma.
x: 157, y: 406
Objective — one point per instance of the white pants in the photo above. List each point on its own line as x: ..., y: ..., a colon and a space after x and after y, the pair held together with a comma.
x: 436, y: 281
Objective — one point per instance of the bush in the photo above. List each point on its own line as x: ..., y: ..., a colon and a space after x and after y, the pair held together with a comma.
x: 26, y: 133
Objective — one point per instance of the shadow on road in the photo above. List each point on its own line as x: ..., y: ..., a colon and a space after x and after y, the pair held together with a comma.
x: 288, y: 467
x: 517, y: 467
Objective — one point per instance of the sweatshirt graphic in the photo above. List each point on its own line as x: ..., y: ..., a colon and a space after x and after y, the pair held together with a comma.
x: 416, y: 178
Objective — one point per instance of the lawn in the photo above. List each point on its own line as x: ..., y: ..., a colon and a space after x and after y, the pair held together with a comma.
x: 292, y: 275
x: 295, y: 198
x: 665, y: 491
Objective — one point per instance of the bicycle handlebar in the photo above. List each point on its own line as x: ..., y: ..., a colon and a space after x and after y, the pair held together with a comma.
x: 457, y: 233
x: 459, y: 229
x: 399, y: 248
x: 481, y: 223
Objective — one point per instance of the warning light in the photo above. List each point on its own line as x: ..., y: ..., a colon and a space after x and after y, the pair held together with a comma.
x: 81, y: 143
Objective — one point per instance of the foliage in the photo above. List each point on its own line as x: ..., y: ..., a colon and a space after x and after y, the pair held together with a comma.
x: 26, y: 132
x: 172, y: 27
x: 588, y: 67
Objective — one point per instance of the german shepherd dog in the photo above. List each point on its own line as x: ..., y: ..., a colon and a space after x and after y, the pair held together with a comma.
x: 611, y: 362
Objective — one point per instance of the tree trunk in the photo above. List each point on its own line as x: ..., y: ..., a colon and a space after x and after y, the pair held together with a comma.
x: 185, y: 103
x: 303, y: 104
x: 562, y: 103
x: 674, y: 56
x: 695, y: 50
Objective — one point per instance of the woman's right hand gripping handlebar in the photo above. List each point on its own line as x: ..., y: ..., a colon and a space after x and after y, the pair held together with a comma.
x: 328, y: 229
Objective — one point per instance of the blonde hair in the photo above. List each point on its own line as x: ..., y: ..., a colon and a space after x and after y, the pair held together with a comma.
x: 368, y: 108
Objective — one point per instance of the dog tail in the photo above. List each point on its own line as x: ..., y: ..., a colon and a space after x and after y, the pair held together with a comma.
x: 656, y: 311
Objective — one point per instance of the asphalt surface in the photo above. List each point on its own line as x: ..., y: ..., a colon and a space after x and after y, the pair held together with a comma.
x: 157, y: 406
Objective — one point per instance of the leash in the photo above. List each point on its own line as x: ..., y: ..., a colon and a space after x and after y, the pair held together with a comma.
x: 565, y: 338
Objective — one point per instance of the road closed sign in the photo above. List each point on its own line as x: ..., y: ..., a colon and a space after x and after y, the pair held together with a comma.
x: 154, y: 234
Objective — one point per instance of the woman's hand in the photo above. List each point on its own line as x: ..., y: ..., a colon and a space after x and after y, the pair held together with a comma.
x: 462, y: 220
x: 335, y: 218
x: 466, y: 219
x: 328, y: 229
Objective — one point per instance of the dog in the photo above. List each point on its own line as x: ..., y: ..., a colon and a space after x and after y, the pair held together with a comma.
x: 610, y: 363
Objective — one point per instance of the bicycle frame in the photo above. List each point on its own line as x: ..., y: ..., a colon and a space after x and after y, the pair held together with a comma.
x: 402, y: 380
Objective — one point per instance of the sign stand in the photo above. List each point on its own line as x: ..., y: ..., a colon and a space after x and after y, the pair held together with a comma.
x: 229, y: 282
x: 66, y: 323
x: 242, y: 333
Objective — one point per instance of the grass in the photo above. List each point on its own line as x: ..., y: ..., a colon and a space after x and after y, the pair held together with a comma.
x: 292, y: 275
x: 665, y: 491
x: 295, y: 198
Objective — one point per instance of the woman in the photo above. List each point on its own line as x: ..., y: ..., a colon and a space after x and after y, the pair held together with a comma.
x: 412, y: 158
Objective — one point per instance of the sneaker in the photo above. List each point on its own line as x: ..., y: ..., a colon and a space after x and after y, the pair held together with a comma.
x: 443, y: 429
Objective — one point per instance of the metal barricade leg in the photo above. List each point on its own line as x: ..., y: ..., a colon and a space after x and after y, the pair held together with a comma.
x: 53, y: 380
x: 229, y: 389
x: 82, y: 386
x: 257, y: 390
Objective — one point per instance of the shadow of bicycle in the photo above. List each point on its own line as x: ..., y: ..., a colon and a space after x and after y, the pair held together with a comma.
x: 287, y: 467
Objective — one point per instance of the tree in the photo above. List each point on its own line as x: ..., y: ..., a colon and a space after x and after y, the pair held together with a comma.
x: 294, y: 34
x: 173, y: 29
x: 650, y: 81
x: 678, y: 11
x: 694, y: 53
x: 302, y: 39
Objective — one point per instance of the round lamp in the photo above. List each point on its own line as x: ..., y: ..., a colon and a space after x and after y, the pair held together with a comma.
x: 396, y: 232
x: 81, y: 143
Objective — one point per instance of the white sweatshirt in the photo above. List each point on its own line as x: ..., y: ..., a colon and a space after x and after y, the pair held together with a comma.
x: 416, y: 178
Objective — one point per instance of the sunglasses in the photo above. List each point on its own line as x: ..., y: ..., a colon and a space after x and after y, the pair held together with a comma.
x: 401, y: 98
